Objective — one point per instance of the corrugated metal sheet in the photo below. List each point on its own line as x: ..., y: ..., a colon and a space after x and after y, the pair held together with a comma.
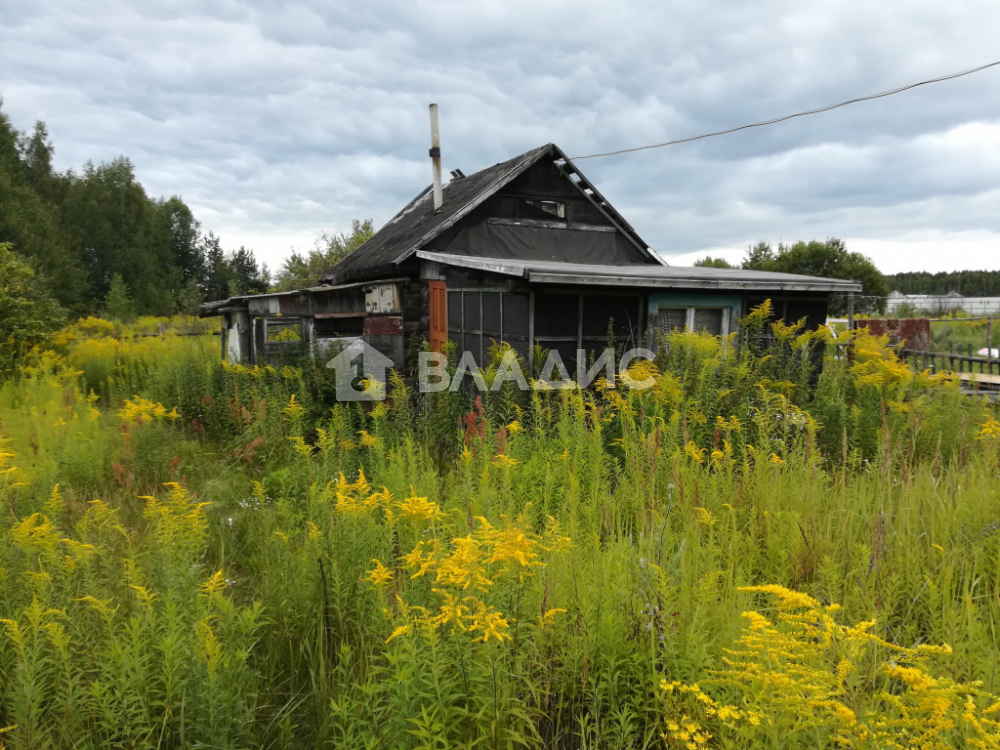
x: 653, y: 277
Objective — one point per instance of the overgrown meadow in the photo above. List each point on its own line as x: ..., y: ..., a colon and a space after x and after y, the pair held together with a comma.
x: 197, y: 555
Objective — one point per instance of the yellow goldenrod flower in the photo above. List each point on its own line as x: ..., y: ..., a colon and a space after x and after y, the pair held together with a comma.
x: 294, y: 410
x: 366, y: 440
x: 704, y: 516
x: 416, y: 508
x: 548, y: 620
x: 400, y: 631
x: 696, y: 454
x: 379, y: 575
x: 491, y: 624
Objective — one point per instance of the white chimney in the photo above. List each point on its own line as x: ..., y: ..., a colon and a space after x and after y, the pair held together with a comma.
x: 436, y: 157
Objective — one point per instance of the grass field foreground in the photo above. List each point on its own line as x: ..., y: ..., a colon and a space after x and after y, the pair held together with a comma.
x: 215, y: 556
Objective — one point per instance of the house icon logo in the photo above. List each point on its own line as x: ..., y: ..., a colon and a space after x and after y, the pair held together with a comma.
x: 372, y: 367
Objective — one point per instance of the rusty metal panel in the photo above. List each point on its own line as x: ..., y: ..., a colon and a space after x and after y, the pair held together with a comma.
x: 911, y: 333
x: 384, y: 325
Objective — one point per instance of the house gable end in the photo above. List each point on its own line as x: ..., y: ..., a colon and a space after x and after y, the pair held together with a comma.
x: 542, y: 215
x: 489, y: 204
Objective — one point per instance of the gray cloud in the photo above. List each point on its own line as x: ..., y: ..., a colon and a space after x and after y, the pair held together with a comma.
x: 276, y: 121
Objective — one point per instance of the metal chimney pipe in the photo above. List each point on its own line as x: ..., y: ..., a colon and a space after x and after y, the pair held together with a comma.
x: 436, y: 157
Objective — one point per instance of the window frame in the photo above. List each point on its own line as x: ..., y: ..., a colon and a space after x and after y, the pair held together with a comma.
x: 689, y: 316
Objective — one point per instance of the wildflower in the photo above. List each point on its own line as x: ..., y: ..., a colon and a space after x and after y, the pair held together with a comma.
x: 361, y: 485
x: 294, y: 410
x: 548, y: 620
x: 912, y: 677
x: 553, y: 538
x: 366, y: 440
x: 451, y: 611
x: 301, y: 447
x: 55, y: 502
x: 416, y: 508
x: 102, y: 607
x: 704, y: 516
x: 349, y: 505
x: 215, y: 584
x: 379, y: 575
x: 137, y: 410
x: 513, y: 546
x: 844, y: 668
x: 463, y: 568
x: 776, y: 459
x: 491, y: 624
x: 697, y: 454
x: 502, y: 460
x: 400, y: 631
x: 422, y: 559
x: 989, y: 430
x: 514, y: 427
x: 787, y: 599
x: 727, y: 713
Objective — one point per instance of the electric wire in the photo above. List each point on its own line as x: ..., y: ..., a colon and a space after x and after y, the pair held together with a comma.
x: 776, y: 120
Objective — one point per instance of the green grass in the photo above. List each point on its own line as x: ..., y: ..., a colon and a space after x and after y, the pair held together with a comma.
x: 232, y: 609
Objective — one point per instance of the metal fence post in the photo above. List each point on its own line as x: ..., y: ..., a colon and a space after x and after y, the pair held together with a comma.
x: 989, y: 345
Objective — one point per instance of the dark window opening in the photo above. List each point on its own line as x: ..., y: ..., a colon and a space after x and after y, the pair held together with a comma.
x: 552, y: 208
x: 329, y: 328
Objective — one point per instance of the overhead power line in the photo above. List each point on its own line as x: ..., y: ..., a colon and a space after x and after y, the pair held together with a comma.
x: 797, y: 114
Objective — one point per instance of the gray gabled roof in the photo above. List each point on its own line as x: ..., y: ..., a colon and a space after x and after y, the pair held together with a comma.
x: 649, y: 277
x: 418, y: 223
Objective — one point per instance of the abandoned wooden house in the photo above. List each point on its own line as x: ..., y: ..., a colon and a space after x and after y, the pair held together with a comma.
x: 525, y: 251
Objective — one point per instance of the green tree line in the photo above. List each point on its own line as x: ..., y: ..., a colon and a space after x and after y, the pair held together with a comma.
x: 829, y: 258
x: 967, y: 283
x: 92, y: 236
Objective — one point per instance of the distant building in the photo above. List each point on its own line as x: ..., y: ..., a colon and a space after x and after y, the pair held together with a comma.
x: 940, y: 304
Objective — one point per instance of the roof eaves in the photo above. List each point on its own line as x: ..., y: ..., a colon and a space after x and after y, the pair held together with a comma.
x: 688, y: 282
x: 580, y: 274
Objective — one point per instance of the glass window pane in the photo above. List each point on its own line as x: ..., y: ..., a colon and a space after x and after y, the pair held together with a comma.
x: 708, y: 320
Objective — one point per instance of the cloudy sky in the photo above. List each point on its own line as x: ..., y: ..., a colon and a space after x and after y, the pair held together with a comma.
x: 278, y: 121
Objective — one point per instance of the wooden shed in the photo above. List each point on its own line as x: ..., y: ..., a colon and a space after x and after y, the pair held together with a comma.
x: 525, y: 251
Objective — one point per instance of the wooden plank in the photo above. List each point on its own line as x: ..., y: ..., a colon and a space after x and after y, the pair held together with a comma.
x: 438, y: 301
x: 980, y: 377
